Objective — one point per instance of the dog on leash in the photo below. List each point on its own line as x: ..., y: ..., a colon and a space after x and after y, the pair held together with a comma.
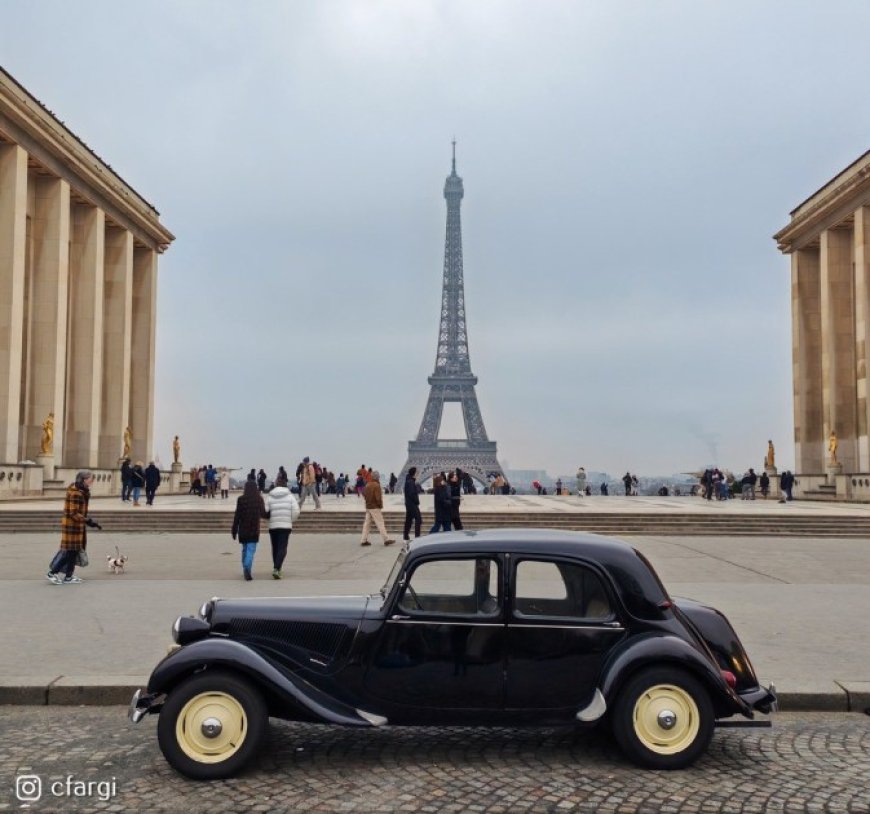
x: 116, y: 564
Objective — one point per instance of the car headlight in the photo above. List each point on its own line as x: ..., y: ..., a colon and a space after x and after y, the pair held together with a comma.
x: 187, y: 629
x: 208, y: 608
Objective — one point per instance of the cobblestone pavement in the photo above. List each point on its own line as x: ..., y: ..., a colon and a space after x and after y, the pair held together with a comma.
x: 811, y: 762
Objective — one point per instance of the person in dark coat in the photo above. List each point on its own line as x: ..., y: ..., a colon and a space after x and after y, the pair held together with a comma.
x: 455, y: 483
x: 152, y: 481
x: 73, y: 534
x: 261, y: 480
x: 443, y: 505
x: 412, y: 505
x: 246, y: 524
x: 126, y: 479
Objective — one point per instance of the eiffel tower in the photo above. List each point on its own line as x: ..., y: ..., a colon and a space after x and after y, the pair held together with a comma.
x: 452, y: 380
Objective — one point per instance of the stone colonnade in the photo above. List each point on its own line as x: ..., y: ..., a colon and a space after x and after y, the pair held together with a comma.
x: 78, y: 287
x: 829, y: 243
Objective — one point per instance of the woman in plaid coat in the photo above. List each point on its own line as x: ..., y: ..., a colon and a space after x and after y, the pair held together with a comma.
x: 246, y: 524
x: 73, y: 535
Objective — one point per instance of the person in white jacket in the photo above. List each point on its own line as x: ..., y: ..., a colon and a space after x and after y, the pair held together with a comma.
x: 282, y: 509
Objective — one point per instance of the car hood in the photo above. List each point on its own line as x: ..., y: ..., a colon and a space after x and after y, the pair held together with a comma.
x: 322, y: 609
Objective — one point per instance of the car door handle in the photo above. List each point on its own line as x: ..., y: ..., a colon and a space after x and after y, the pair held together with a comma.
x: 399, y: 618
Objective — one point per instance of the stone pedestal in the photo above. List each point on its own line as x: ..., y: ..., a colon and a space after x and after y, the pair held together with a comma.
x: 47, y: 464
x: 832, y: 470
x: 175, y: 473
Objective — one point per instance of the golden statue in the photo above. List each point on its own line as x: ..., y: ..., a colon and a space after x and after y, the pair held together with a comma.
x: 770, y: 457
x: 128, y: 442
x: 47, y: 435
x: 832, y: 447
x: 176, y: 449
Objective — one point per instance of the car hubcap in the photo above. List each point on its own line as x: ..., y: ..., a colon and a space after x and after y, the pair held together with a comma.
x: 211, y: 727
x: 666, y: 719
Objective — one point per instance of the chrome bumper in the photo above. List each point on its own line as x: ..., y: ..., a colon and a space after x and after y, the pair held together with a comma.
x: 761, y: 698
x: 141, y: 704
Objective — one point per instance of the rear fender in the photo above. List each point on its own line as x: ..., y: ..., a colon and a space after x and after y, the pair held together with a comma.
x: 660, y: 649
x: 230, y: 655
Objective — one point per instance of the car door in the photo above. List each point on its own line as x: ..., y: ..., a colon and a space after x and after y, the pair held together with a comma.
x: 441, y: 646
x: 561, y: 624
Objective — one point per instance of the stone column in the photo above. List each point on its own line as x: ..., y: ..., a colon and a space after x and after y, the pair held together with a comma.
x: 807, y: 361
x: 838, y: 343
x: 13, y: 231
x: 142, y: 352
x: 85, y: 367
x: 117, y: 310
x: 48, y: 312
x: 861, y: 253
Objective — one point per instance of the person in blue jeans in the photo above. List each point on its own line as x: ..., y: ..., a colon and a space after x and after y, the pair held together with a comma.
x: 443, y: 505
x: 246, y: 524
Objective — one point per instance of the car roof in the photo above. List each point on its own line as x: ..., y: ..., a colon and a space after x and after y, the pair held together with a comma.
x: 522, y: 540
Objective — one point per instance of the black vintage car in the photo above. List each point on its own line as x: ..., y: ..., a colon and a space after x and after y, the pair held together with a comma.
x: 502, y: 627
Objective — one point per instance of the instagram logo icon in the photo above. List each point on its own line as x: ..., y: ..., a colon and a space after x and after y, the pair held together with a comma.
x: 28, y: 788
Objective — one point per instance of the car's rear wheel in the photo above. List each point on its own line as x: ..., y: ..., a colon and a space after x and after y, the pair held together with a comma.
x: 211, y: 725
x: 663, y: 718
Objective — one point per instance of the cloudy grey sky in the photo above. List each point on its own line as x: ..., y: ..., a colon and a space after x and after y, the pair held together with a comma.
x: 625, y: 165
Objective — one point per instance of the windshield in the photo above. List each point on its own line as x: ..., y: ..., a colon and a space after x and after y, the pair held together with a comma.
x: 394, y: 571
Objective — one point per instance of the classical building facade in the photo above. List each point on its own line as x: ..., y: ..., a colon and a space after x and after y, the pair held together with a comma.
x: 828, y: 239
x: 78, y: 285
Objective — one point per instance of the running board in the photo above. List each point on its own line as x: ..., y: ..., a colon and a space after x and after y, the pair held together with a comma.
x: 744, y: 724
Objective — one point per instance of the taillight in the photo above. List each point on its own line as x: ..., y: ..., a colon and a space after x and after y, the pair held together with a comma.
x: 730, y: 678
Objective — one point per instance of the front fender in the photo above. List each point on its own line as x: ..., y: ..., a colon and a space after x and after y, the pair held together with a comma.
x: 225, y: 653
x: 658, y: 649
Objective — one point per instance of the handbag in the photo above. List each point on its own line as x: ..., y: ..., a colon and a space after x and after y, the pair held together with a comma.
x: 82, y: 558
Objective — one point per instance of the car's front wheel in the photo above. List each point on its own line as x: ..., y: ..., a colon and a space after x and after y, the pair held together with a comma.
x: 211, y: 725
x: 663, y: 718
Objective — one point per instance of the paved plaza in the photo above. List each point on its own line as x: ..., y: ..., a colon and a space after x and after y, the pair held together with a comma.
x: 809, y: 762
x: 800, y: 604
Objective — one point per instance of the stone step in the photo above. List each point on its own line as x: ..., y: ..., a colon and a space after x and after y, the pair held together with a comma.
x: 211, y: 522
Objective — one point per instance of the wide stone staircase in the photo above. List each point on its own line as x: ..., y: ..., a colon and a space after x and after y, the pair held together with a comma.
x: 153, y: 520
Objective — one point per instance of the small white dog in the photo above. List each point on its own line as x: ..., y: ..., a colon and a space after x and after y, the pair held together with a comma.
x: 116, y: 564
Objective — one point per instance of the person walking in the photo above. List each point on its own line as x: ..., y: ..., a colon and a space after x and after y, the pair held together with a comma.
x: 581, y: 481
x: 626, y: 479
x: 443, y: 505
x: 412, y: 505
x: 455, y: 483
x: 393, y: 481
x: 137, y: 481
x: 73, y: 531
x: 225, y: 483
x: 340, y: 486
x: 152, y: 482
x: 261, y: 480
x: 281, y: 509
x: 374, y: 498
x: 308, y: 484
x: 246, y: 524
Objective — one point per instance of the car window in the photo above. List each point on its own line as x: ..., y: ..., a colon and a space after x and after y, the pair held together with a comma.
x: 559, y: 589
x: 453, y: 586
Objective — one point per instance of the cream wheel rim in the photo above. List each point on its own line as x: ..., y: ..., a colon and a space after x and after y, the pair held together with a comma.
x: 666, y: 719
x: 211, y: 727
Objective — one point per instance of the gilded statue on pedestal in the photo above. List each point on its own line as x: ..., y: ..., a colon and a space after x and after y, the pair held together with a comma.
x: 47, y: 446
x: 770, y: 457
x: 128, y: 442
x: 176, y: 449
x: 832, y: 446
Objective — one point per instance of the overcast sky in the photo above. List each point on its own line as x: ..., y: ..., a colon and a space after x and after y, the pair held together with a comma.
x: 625, y: 165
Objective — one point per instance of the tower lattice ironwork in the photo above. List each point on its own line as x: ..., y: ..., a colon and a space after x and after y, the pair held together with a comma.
x: 452, y: 380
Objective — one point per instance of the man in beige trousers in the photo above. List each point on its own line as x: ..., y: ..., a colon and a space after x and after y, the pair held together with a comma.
x: 374, y: 498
